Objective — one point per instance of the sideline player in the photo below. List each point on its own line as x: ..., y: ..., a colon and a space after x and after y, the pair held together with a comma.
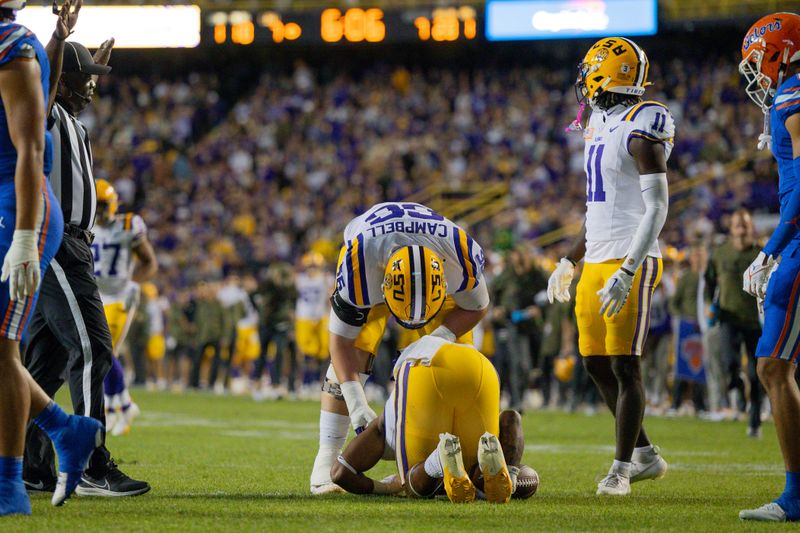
x: 123, y: 259
x: 771, y: 67
x: 31, y: 228
x: 403, y: 260
x: 313, y: 286
x: 628, y: 142
x: 442, y: 418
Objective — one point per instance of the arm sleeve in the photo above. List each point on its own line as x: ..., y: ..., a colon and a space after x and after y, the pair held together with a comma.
x: 789, y: 223
x: 655, y: 194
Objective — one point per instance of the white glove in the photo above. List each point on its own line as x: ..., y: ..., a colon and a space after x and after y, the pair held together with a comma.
x: 361, y: 414
x: 21, y: 265
x: 757, y: 275
x: 615, y: 293
x: 560, y: 281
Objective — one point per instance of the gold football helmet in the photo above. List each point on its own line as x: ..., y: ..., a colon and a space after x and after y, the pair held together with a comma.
x: 612, y: 64
x: 107, y: 195
x: 414, y: 287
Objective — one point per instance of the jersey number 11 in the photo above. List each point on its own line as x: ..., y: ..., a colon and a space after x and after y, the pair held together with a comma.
x: 594, y: 174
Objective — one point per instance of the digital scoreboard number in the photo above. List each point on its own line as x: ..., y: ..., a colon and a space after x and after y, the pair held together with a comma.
x: 334, y: 25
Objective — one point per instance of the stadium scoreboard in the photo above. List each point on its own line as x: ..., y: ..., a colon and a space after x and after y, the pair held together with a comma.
x: 335, y: 25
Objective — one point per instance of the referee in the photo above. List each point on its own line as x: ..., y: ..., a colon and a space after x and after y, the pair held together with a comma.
x: 68, y: 335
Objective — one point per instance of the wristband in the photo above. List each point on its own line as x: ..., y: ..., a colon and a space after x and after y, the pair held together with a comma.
x: 628, y: 272
x: 353, y: 394
x: 570, y: 260
x: 443, y: 332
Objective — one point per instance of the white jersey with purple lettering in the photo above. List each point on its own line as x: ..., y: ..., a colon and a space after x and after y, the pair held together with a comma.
x: 113, y: 255
x: 313, y: 295
x: 370, y: 239
x: 614, y: 204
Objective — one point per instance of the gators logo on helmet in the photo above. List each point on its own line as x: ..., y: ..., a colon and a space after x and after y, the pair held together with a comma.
x: 414, y: 287
x: 769, y: 47
x: 612, y: 64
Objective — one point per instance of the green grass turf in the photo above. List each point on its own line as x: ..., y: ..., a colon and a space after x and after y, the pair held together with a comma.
x: 221, y: 463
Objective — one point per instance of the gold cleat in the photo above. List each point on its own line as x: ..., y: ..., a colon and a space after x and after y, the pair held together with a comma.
x: 456, y: 481
x: 497, y: 484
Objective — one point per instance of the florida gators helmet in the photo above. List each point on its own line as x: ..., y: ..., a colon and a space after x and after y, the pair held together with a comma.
x: 612, y: 64
x: 414, y: 287
x: 769, y: 47
x: 107, y: 195
x: 13, y: 4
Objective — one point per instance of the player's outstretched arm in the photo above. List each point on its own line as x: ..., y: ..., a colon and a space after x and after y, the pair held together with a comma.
x: 361, y: 454
x: 66, y: 21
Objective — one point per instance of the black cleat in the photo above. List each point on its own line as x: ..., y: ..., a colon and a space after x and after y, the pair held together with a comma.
x: 113, y: 484
x: 40, y: 487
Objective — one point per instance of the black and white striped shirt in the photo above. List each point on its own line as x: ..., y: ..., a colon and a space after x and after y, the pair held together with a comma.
x: 72, y: 178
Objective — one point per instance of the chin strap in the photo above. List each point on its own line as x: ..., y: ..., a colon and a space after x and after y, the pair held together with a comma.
x: 765, y: 139
x: 576, y: 124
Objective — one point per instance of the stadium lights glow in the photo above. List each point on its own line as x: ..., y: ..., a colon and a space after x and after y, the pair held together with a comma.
x: 131, y: 26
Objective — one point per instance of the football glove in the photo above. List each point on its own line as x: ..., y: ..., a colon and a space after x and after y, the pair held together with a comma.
x: 757, y: 275
x: 21, y: 265
x: 560, y: 281
x: 615, y: 293
x: 361, y: 414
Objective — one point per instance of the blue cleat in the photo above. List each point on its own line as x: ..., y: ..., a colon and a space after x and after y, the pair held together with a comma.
x: 74, y: 446
x: 14, y: 498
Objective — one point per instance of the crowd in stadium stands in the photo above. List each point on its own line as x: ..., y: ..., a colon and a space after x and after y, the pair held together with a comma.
x: 234, y: 192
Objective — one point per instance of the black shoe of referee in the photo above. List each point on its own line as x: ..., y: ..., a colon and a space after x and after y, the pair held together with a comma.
x: 113, y: 483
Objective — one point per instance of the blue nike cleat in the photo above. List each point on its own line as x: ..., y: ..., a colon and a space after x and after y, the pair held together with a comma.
x: 14, y: 498
x: 74, y: 446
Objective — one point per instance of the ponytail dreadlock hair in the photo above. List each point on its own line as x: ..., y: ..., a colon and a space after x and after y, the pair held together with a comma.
x: 607, y: 100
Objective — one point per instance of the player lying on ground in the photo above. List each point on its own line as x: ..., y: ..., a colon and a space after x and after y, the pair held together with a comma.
x: 402, y: 260
x: 440, y: 421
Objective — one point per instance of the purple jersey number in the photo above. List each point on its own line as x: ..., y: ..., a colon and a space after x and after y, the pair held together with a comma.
x: 594, y: 174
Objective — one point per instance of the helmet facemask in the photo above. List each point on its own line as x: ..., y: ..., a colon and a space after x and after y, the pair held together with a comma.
x: 760, y: 87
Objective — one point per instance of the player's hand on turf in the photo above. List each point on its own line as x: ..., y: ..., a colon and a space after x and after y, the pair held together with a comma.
x: 361, y: 414
x: 67, y: 17
x: 21, y: 265
x: 757, y: 275
x: 103, y: 54
x: 615, y: 293
x: 560, y: 281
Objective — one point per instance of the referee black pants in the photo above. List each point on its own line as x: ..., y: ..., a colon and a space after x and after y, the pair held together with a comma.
x: 68, y: 340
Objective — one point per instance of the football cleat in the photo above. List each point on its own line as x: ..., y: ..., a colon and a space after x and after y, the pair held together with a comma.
x: 648, y: 465
x: 114, y: 483
x: 497, y: 484
x: 321, y: 474
x: 770, y: 512
x: 74, y: 446
x: 614, y: 484
x: 457, y: 483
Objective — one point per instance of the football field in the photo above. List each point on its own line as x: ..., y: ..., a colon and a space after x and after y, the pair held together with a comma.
x: 231, y: 464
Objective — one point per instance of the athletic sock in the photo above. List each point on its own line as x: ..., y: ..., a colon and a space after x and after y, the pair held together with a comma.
x: 333, y: 430
x: 433, y: 465
x: 790, y: 499
x: 620, y: 467
x: 52, y: 420
x: 11, y: 469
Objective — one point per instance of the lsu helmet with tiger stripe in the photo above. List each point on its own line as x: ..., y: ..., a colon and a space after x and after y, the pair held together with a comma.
x: 414, y: 287
x: 612, y: 64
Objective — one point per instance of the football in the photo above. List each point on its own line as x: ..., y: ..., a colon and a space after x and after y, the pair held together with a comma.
x: 527, y: 483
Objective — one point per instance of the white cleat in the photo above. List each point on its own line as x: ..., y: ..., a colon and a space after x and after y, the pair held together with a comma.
x: 497, y: 484
x: 648, y: 466
x: 457, y: 483
x: 770, y: 512
x: 614, y: 484
x: 320, y: 482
